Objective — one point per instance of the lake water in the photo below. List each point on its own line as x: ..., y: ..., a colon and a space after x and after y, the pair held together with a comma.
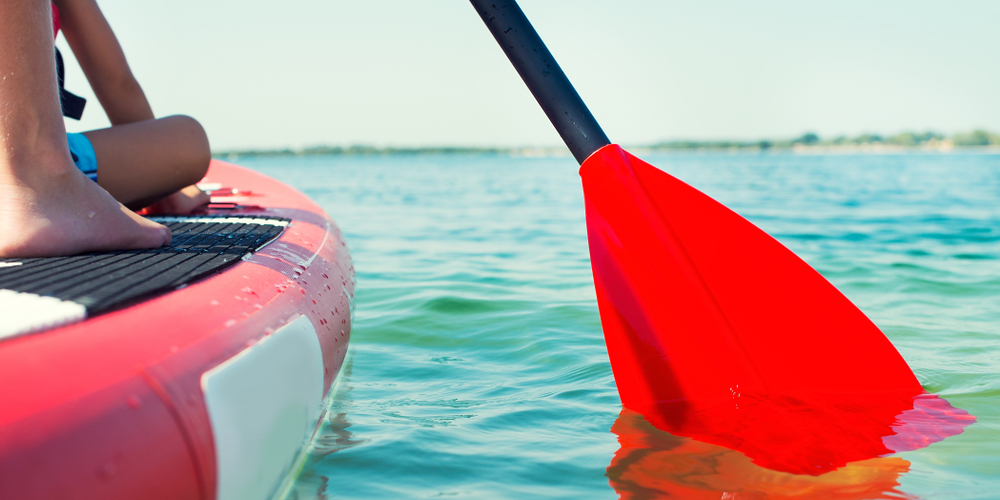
x: 477, y: 367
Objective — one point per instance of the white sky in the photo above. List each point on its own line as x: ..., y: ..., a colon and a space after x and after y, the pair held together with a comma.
x: 267, y: 74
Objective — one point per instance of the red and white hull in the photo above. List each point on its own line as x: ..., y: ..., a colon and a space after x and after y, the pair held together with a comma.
x: 211, y: 391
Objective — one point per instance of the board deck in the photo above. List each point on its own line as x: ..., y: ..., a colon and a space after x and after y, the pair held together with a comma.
x: 198, y: 370
x: 100, y: 282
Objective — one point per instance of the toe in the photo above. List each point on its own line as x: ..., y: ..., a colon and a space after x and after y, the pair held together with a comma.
x: 167, y: 235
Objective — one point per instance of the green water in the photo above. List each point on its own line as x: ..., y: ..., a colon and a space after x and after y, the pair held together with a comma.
x: 477, y: 366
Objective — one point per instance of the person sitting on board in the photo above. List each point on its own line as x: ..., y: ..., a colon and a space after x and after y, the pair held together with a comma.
x: 142, y: 158
x: 48, y: 206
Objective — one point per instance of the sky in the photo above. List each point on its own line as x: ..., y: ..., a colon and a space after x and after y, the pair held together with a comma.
x: 297, y: 73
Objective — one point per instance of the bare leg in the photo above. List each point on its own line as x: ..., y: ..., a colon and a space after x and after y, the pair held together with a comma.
x: 47, y: 207
x: 182, y: 202
x: 140, y: 163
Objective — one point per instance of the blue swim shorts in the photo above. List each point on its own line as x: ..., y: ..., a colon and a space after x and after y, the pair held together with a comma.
x: 83, y: 154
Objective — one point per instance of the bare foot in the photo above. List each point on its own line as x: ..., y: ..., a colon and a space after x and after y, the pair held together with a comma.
x: 65, y: 213
x: 181, y: 202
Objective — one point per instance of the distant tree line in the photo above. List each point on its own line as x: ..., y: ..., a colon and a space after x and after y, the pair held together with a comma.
x: 809, y: 139
x: 361, y: 150
x: 904, y: 139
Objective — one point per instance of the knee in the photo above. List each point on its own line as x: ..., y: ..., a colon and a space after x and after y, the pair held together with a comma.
x: 196, y: 153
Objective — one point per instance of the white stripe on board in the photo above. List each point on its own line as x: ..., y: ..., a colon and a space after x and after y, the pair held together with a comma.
x: 223, y: 220
x: 23, y: 313
x: 263, y: 404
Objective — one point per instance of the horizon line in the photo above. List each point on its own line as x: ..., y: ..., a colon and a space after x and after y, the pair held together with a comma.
x: 809, y: 142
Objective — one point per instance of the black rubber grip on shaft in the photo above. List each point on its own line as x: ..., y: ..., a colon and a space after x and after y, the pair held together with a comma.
x: 546, y: 80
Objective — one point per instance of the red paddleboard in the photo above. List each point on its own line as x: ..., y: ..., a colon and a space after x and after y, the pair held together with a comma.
x: 212, y: 390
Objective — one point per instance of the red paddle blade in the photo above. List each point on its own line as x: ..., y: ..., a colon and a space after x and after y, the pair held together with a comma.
x: 717, y: 331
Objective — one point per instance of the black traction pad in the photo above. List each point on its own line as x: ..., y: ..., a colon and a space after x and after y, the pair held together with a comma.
x: 105, y: 281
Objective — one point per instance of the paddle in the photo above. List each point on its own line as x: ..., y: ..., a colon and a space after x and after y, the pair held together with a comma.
x: 714, y: 329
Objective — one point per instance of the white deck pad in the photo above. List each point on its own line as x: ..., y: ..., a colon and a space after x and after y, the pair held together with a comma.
x: 264, y: 404
x: 23, y: 313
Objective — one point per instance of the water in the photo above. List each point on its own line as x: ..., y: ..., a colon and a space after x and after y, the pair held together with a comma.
x: 477, y: 366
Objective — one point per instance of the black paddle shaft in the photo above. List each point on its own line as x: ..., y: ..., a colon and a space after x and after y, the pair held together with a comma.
x: 546, y: 80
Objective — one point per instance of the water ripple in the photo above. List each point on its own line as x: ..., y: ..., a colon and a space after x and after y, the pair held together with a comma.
x: 478, y: 368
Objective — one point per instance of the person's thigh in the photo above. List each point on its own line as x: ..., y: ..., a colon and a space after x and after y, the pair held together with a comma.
x: 141, y: 162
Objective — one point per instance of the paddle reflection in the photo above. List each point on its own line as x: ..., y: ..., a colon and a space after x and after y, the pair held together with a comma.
x: 813, y: 434
x: 651, y: 463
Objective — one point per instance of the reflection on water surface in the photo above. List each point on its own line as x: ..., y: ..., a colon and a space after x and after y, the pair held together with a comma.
x: 651, y: 463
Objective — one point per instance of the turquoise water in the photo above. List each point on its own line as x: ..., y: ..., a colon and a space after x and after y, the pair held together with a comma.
x: 477, y: 366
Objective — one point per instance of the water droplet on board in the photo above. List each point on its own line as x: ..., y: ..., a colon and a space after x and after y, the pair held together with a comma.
x: 214, y: 302
x: 90, y: 215
x: 268, y: 331
x: 336, y: 310
x: 133, y: 401
x: 107, y: 471
x: 314, y: 301
x: 230, y: 323
x: 303, y: 290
